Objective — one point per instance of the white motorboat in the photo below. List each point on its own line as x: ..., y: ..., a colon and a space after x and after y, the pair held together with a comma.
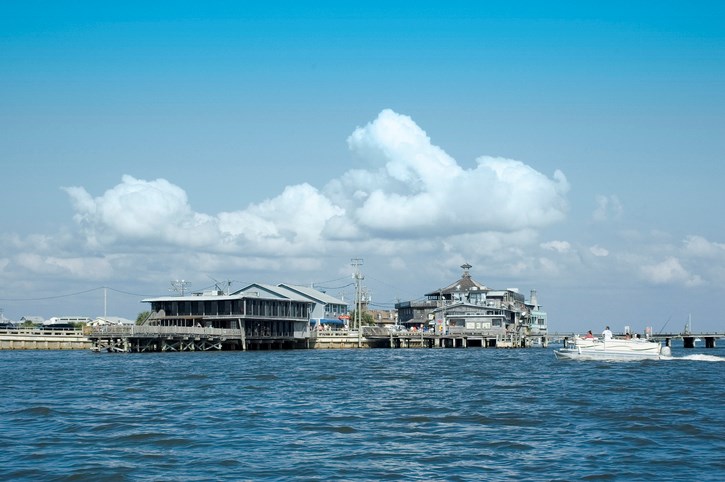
x: 613, y: 349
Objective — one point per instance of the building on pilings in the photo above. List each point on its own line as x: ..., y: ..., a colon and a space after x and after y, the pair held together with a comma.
x: 260, y: 313
x: 467, y: 306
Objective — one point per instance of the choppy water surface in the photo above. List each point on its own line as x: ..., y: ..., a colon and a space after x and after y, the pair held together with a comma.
x: 405, y: 414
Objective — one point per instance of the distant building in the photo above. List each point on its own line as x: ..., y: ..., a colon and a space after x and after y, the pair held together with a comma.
x: 384, y: 318
x: 111, y: 320
x: 467, y: 305
x: 36, y: 320
x: 66, y: 320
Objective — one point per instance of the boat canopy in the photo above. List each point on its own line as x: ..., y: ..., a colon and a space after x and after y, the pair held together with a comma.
x: 327, y: 321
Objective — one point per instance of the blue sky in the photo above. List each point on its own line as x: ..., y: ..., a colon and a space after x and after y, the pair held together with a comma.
x: 575, y: 148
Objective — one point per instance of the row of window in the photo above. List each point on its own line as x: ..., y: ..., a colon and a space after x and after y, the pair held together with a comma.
x: 241, y: 307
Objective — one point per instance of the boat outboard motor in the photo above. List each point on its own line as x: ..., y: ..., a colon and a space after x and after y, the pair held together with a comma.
x: 666, y: 351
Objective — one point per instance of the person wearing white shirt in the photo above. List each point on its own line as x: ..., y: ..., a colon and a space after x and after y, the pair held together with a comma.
x: 607, y: 334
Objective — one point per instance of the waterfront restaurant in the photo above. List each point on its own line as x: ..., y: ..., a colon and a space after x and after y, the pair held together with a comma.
x: 261, y: 311
x: 469, y: 306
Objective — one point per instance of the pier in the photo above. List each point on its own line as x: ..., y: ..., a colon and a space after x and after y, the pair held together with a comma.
x: 43, y: 339
x: 458, y: 339
x: 688, y: 339
x: 154, y: 338
x: 149, y: 338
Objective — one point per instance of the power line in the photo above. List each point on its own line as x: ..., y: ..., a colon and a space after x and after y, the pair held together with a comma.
x: 395, y: 288
x: 124, y: 292
x: 68, y: 295
x: 330, y: 281
x: 316, y: 286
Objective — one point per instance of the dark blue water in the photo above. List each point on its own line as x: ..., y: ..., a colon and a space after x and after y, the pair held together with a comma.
x: 406, y: 414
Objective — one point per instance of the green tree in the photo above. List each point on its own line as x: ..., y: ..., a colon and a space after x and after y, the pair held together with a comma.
x: 142, y: 317
x: 366, y: 319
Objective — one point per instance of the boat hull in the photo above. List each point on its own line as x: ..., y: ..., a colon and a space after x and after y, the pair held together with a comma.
x: 612, y: 350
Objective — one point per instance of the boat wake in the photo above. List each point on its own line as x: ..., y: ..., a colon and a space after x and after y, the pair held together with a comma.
x: 698, y: 357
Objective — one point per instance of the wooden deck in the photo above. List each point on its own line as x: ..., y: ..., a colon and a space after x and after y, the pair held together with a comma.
x: 145, y: 338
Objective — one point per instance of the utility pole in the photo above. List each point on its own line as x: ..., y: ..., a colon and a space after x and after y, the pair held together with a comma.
x: 356, y: 263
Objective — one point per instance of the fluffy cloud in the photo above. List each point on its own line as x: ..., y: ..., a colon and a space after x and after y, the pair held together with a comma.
x: 700, y: 247
x: 416, y: 187
x: 158, y: 211
x: 412, y: 190
x: 598, y: 251
x: 138, y: 210
x: 670, y: 271
x: 77, y: 267
x: 558, y: 246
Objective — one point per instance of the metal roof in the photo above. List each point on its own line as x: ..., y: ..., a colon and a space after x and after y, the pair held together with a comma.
x: 314, y: 294
x: 260, y: 290
x: 255, y: 290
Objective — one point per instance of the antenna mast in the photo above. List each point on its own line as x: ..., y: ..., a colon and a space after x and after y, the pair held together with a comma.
x: 356, y: 263
x: 180, y: 286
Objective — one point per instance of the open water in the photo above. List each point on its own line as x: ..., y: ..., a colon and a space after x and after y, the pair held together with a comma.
x: 383, y: 414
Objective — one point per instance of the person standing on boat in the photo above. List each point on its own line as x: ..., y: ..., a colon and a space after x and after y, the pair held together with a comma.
x: 607, y: 334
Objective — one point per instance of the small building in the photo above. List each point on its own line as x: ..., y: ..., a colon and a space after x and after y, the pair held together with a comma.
x: 35, y: 320
x: 325, y: 310
x: 111, y: 320
x: 66, y: 320
x: 384, y: 318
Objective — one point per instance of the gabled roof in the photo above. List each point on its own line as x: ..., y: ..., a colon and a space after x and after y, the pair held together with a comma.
x: 466, y: 283
x: 259, y: 290
x: 314, y: 294
x: 460, y: 304
x: 268, y: 291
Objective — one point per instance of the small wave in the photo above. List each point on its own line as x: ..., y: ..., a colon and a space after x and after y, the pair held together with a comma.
x: 197, y: 376
x: 38, y: 411
x: 344, y: 429
x: 327, y: 378
x: 701, y: 357
x: 266, y: 377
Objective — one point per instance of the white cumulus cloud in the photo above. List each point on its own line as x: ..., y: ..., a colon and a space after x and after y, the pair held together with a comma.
x: 598, y: 251
x: 412, y: 190
x: 558, y: 246
x: 701, y: 247
x: 670, y: 271
x: 415, y: 186
x: 138, y: 210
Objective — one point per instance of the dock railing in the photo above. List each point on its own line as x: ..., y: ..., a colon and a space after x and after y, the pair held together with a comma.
x: 41, y: 331
x: 150, y: 330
